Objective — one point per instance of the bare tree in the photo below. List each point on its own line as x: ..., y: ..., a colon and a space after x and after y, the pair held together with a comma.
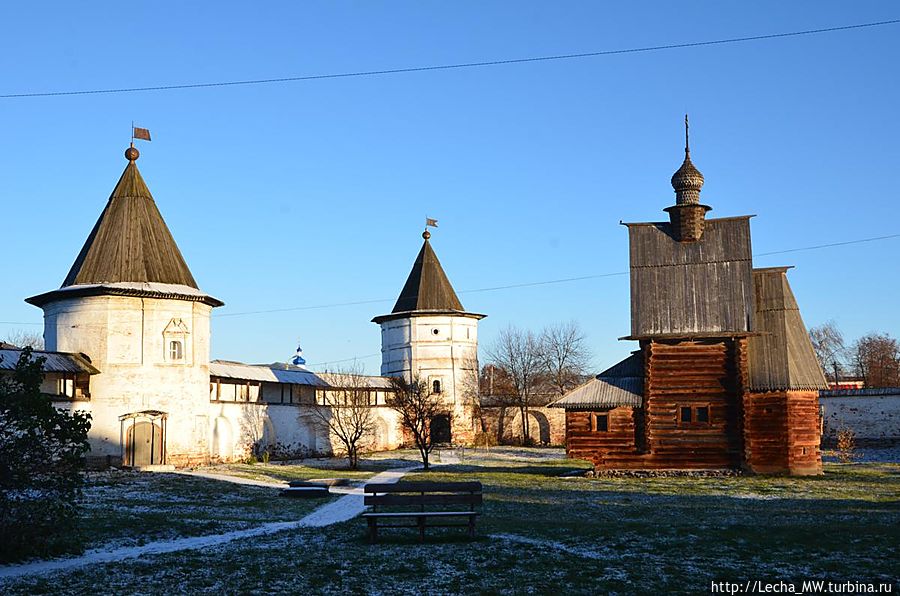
x: 877, y: 360
x: 344, y: 407
x: 416, y: 405
x: 518, y: 352
x: 565, y: 355
x: 828, y: 343
x: 25, y: 339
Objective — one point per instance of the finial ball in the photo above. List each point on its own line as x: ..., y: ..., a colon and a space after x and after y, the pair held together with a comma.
x: 131, y: 154
x: 426, y: 234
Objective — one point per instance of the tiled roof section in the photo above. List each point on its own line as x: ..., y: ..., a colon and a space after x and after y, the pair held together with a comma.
x: 427, y: 287
x: 130, y: 241
x: 781, y: 356
x: 54, y: 362
x: 691, y: 288
x: 620, y: 385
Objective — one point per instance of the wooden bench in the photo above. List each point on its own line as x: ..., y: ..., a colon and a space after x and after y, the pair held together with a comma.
x: 305, y: 490
x: 419, y: 495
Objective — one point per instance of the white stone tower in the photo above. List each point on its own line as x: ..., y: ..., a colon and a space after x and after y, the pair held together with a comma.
x: 430, y: 336
x: 132, y: 306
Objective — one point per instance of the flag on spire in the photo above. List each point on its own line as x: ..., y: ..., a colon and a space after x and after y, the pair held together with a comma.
x: 140, y: 133
x: 430, y: 222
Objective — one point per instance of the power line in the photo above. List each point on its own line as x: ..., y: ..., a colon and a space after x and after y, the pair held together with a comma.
x: 511, y: 286
x: 544, y: 282
x: 345, y: 359
x: 439, y: 67
x: 781, y: 252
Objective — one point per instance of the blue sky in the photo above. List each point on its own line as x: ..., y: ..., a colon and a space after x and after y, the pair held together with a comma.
x: 314, y: 193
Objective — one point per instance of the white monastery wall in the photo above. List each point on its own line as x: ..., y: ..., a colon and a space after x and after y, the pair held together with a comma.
x: 289, y: 429
x: 127, y: 339
x: 870, y: 417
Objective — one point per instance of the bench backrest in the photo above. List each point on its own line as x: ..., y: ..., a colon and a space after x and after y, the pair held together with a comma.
x: 420, y: 494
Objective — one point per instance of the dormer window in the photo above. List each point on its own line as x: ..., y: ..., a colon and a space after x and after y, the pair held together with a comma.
x: 176, y: 350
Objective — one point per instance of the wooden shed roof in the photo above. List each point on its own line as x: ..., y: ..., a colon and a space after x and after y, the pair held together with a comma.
x: 54, y: 362
x: 781, y: 355
x: 691, y: 288
x: 130, y: 241
x: 620, y: 385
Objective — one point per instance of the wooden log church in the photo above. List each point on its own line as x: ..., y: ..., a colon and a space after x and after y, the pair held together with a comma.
x: 725, y: 376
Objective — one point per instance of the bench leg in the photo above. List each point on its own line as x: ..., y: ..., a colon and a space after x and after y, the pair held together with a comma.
x: 421, y: 528
x: 471, y: 526
x: 373, y: 530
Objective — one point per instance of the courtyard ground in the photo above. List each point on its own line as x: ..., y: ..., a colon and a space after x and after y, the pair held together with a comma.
x: 541, y: 531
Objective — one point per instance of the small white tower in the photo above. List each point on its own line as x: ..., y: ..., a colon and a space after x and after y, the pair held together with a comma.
x: 132, y: 306
x: 430, y: 336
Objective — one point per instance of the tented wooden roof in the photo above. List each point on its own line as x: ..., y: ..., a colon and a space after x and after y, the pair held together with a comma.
x: 781, y: 355
x: 427, y: 287
x: 697, y: 288
x: 130, y: 241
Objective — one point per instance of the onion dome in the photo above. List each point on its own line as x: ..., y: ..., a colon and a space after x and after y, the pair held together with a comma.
x: 688, y: 180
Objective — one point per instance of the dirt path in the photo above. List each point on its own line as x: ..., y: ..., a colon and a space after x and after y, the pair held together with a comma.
x: 345, y: 508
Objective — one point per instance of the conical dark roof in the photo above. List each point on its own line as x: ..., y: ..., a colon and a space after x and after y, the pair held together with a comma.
x: 427, y: 287
x: 130, y: 242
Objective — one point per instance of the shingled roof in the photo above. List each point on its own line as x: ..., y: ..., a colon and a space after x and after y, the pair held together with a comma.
x: 427, y: 287
x: 781, y: 355
x: 130, y: 241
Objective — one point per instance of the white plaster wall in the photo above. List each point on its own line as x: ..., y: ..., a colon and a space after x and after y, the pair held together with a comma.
x: 433, y: 347
x: 123, y: 337
x: 235, y: 426
x: 875, y: 417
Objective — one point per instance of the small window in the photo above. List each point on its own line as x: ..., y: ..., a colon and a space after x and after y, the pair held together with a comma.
x: 686, y: 415
x: 600, y: 423
x: 435, y: 331
x: 703, y: 414
x: 436, y: 386
x: 176, y: 351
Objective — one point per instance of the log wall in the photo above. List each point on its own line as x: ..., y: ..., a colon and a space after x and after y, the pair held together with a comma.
x: 693, y: 374
x: 782, y: 432
x: 769, y: 433
x: 677, y: 374
x: 598, y: 446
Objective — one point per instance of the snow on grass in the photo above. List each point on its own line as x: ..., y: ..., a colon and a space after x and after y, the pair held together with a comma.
x: 343, y: 509
x: 540, y: 533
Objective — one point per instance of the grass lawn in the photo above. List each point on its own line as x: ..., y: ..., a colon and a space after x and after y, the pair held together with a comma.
x: 543, y: 533
x: 128, y: 509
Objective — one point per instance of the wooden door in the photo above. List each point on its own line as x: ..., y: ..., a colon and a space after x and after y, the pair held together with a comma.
x: 440, y: 428
x: 145, y: 444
